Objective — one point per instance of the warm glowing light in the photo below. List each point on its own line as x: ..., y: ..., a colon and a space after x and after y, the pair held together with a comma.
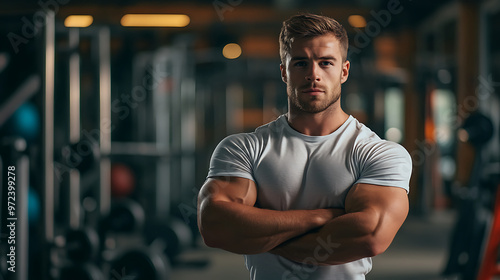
x: 78, y: 21
x: 231, y: 51
x: 154, y: 20
x: 357, y: 21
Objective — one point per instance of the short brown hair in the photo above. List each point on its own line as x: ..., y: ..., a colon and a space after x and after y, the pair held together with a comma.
x: 310, y: 25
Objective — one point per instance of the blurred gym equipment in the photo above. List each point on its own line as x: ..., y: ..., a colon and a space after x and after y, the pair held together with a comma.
x: 173, y: 237
x: 167, y: 96
x: 82, y: 155
x: 25, y: 122
x: 140, y: 264
x: 34, y: 207
x: 19, y: 97
x: 474, y: 200
x: 81, y: 271
x: 81, y: 245
x: 489, y: 267
x: 122, y: 180
x: 477, y: 129
x: 125, y: 215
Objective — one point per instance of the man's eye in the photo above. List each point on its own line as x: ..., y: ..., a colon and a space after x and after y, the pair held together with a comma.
x: 300, y: 63
x: 326, y: 63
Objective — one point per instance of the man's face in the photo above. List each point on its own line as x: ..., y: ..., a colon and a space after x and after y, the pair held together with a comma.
x: 314, y: 72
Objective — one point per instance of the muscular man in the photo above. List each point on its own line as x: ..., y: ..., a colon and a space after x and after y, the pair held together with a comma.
x: 313, y: 194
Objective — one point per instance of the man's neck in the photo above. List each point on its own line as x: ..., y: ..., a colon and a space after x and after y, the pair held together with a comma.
x: 317, y: 124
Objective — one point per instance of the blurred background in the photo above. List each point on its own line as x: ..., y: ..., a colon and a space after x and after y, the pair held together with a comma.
x: 110, y: 110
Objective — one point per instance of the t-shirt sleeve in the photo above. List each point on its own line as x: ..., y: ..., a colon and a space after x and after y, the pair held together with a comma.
x: 232, y: 157
x: 385, y: 163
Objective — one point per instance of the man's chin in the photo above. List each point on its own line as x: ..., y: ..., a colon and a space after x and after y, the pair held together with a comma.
x: 311, y: 109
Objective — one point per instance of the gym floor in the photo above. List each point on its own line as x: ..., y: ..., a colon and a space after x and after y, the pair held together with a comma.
x: 418, y: 252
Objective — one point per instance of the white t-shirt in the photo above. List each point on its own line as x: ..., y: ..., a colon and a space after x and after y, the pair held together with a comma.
x: 297, y: 171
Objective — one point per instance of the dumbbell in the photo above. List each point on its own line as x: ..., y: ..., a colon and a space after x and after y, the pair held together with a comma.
x: 78, y: 245
x: 173, y: 237
x: 125, y: 216
x: 140, y: 264
x: 131, y: 264
x: 81, y: 247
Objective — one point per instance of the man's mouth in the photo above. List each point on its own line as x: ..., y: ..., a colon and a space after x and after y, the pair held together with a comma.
x: 313, y: 91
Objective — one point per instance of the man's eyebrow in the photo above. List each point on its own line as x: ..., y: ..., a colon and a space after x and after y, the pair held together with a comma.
x: 328, y: 58
x: 320, y: 58
x: 299, y: 58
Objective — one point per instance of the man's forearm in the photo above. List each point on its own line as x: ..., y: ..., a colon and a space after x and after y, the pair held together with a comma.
x: 343, y: 239
x: 244, y: 229
x: 374, y: 216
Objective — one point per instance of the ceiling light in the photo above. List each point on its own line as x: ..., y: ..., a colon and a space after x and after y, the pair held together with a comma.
x: 155, y: 20
x: 357, y: 21
x: 78, y: 21
x: 231, y: 51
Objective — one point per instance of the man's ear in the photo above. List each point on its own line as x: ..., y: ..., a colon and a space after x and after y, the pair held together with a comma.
x: 345, y: 71
x: 283, y: 73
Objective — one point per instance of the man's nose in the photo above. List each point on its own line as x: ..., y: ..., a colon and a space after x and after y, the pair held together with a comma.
x: 313, y: 73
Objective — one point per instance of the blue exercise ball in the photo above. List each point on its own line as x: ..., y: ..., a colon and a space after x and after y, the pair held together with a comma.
x: 25, y: 122
x: 33, y: 206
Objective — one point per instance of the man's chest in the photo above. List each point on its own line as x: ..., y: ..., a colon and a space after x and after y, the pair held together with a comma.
x: 304, y: 177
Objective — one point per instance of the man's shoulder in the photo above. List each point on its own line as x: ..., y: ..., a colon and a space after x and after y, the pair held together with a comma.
x: 237, y: 139
x: 368, y: 141
x: 270, y: 127
x: 359, y: 133
x: 252, y: 138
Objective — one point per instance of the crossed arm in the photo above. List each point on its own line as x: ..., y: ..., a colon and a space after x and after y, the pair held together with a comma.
x: 228, y: 219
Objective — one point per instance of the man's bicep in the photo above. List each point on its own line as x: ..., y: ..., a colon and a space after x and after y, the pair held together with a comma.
x: 374, y: 196
x: 230, y: 189
x: 388, y: 205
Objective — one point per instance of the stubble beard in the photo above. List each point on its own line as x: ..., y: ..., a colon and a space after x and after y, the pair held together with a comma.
x: 310, y: 104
